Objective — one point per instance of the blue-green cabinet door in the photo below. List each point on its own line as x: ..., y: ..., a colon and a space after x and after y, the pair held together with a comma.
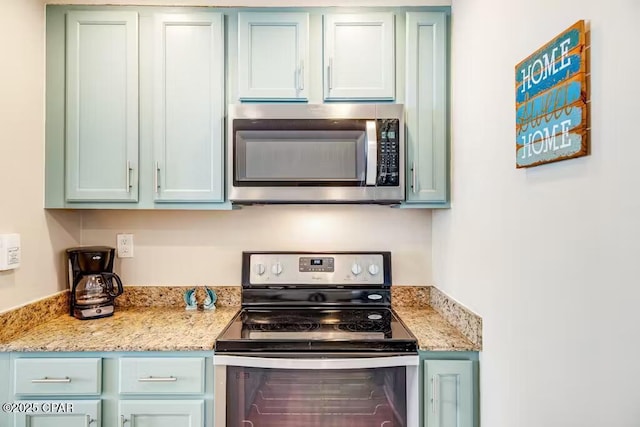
x: 188, y: 107
x: 162, y: 413
x: 359, y: 56
x: 273, y: 56
x: 59, y: 413
x: 101, y: 106
x: 448, y: 393
x: 426, y: 108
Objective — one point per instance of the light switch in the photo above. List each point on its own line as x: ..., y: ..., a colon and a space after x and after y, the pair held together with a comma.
x: 9, y: 251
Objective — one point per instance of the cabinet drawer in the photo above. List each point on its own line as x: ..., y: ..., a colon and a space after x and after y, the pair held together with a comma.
x: 57, y: 376
x: 162, y: 375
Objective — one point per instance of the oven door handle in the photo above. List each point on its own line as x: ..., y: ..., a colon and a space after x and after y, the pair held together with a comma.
x: 284, y: 363
x: 372, y: 153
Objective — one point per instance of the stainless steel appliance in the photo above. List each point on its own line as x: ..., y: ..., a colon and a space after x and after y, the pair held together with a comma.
x: 328, y: 153
x: 316, y: 344
x: 91, y: 280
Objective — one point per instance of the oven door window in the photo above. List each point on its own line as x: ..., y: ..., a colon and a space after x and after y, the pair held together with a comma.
x: 266, y: 397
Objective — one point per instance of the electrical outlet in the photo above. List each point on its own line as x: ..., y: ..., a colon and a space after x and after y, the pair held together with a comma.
x: 125, y: 245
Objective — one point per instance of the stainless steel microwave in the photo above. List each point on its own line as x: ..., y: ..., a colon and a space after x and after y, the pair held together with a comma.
x: 328, y: 153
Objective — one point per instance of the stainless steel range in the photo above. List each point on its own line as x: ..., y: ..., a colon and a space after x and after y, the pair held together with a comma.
x: 316, y: 344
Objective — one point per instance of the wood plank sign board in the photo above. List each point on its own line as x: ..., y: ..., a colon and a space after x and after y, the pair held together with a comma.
x: 552, y: 101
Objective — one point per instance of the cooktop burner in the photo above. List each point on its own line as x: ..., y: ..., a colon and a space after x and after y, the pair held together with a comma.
x: 307, y: 302
x: 336, y: 329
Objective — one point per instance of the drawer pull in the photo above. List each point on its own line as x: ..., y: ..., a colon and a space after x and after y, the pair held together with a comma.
x: 123, y: 420
x: 158, y: 379
x: 47, y: 380
x: 89, y: 420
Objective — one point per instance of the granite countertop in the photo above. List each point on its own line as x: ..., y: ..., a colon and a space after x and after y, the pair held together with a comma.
x: 129, y: 329
x: 140, y: 324
x: 175, y: 329
x: 433, y: 332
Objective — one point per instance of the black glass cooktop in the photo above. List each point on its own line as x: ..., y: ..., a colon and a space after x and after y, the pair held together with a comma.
x: 316, y: 329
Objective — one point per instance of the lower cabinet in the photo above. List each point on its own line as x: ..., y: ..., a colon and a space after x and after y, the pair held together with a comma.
x: 108, y: 389
x: 57, y: 413
x: 450, y: 389
x: 165, y: 413
x: 448, y: 397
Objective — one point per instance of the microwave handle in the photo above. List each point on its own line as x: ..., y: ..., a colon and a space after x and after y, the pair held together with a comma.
x: 372, y: 153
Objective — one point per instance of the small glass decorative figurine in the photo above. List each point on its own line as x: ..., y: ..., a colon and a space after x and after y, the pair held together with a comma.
x: 190, y: 299
x: 210, y: 300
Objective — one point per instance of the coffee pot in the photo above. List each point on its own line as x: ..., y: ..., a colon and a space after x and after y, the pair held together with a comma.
x: 91, y: 280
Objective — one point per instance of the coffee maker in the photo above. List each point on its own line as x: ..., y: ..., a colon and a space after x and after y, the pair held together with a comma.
x: 91, y: 280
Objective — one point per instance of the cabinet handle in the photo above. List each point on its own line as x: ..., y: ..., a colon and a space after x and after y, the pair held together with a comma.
x: 158, y: 380
x: 414, y: 183
x: 129, y: 169
x: 433, y: 395
x: 47, y: 380
x: 330, y: 73
x: 301, y: 75
x: 157, y: 177
x: 89, y: 420
x: 123, y: 420
x: 436, y: 382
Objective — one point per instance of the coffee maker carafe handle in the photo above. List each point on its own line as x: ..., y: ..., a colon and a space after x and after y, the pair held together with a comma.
x: 108, y: 280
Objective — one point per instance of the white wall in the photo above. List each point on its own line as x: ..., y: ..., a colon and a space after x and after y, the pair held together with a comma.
x: 548, y: 256
x: 22, y: 160
x: 187, y: 248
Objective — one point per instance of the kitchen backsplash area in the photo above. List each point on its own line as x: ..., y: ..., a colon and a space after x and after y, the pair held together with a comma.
x: 204, y: 248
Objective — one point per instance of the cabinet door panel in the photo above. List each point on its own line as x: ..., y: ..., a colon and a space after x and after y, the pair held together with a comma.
x: 188, y: 107
x: 167, y: 413
x: 272, y: 56
x: 51, y: 413
x: 448, y: 393
x: 359, y: 56
x: 102, y: 106
x: 426, y: 138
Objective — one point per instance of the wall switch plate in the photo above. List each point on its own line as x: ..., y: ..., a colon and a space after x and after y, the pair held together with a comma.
x: 125, y: 245
x: 9, y: 251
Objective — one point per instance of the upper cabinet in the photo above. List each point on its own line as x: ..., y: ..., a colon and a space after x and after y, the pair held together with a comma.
x: 273, y: 56
x: 136, y: 96
x: 135, y: 114
x: 427, y: 165
x: 359, y: 56
x: 102, y: 106
x: 188, y: 110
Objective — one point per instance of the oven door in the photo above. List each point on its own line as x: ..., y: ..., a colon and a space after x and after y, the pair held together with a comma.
x: 291, y: 391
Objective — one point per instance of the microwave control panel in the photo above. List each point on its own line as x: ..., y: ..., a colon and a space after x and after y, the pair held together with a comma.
x: 388, y: 152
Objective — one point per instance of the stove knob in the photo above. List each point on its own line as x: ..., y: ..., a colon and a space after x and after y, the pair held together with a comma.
x: 374, y: 269
x: 276, y: 268
x: 260, y: 269
x: 356, y: 269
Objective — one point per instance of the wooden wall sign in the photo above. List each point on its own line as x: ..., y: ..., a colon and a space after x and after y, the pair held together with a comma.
x: 552, y: 108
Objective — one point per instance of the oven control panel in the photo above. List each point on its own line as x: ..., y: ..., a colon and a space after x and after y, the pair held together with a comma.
x: 318, y: 269
x: 316, y: 264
